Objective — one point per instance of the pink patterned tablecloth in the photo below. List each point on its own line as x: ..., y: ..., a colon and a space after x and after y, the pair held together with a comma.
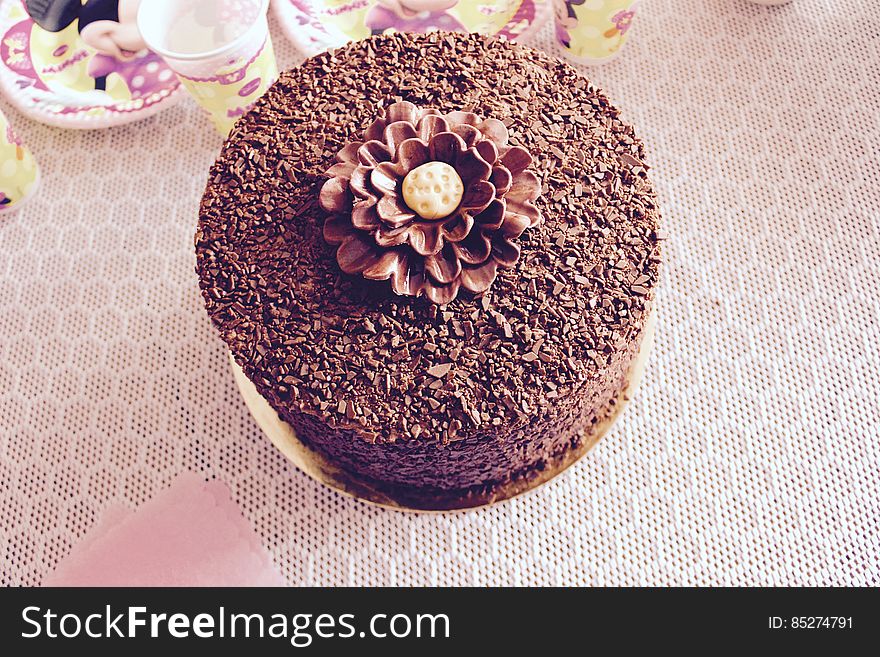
x: 750, y: 455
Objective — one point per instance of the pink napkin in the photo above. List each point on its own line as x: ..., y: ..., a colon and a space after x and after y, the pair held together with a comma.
x: 191, y: 534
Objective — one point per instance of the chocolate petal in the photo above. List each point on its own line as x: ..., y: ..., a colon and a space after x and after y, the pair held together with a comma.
x: 376, y: 130
x: 336, y: 229
x: 357, y: 253
x: 393, y: 211
x: 525, y: 187
x: 457, y: 228
x: 373, y: 153
x: 397, y: 133
x: 479, y: 279
x: 514, y: 224
x: 387, y: 237
x: 430, y: 125
x: 468, y: 133
x: 441, y: 294
x: 425, y: 238
x: 411, y: 154
x: 364, y: 215
x: 502, y: 180
x: 477, y: 196
x: 443, y: 267
x: 446, y: 147
x: 349, y: 153
x: 341, y: 170
x: 488, y: 151
x: 403, y: 110
x: 334, y: 195
x: 516, y: 159
x: 384, y: 268
x: 492, y: 217
x: 495, y: 131
x: 474, y: 249
x: 462, y: 118
x: 471, y: 168
x: 525, y: 209
x: 505, y: 252
x: 360, y: 183
x: 409, y: 277
x: 384, y: 178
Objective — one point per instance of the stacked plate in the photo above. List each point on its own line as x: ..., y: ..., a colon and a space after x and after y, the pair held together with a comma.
x: 316, y: 25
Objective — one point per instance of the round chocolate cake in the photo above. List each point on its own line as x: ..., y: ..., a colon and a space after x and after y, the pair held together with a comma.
x: 435, y: 257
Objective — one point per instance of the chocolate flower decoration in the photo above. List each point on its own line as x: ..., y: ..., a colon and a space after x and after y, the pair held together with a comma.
x: 433, y: 202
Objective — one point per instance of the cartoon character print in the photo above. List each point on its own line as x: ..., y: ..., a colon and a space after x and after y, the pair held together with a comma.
x: 412, y: 16
x: 110, y: 27
x: 14, y: 140
x: 621, y: 22
x: 521, y: 21
x: 18, y: 171
x: 566, y: 19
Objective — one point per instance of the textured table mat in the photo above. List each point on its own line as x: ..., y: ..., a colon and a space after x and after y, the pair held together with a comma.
x: 749, y: 456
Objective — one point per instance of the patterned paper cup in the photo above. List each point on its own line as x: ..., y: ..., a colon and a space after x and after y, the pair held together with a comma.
x: 19, y: 174
x: 593, y: 31
x: 220, y: 49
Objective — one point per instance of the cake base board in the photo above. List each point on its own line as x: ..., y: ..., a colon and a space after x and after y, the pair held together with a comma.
x: 320, y: 469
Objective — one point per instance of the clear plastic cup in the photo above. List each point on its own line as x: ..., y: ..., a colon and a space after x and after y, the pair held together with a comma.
x: 593, y: 31
x: 220, y: 49
x: 19, y: 173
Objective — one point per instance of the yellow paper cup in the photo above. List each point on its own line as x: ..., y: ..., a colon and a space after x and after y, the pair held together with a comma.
x: 593, y: 31
x: 220, y: 49
x: 19, y: 174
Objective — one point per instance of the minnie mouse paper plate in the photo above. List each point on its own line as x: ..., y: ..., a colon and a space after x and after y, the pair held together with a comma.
x: 80, y: 63
x: 316, y: 25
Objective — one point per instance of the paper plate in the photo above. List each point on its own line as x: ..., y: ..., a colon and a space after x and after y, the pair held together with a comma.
x: 58, y: 78
x: 316, y: 25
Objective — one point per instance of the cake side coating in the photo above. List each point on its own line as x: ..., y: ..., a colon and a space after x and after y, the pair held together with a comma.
x: 414, y: 397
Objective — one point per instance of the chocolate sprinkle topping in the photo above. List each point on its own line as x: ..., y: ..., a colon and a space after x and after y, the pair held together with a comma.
x: 412, y: 396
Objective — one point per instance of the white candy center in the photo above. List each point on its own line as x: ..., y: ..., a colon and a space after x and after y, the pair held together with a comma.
x: 433, y: 190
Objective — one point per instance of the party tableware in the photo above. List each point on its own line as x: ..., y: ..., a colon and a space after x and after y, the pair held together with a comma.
x: 19, y: 174
x: 220, y: 49
x: 316, y: 25
x: 76, y: 64
x: 593, y: 31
